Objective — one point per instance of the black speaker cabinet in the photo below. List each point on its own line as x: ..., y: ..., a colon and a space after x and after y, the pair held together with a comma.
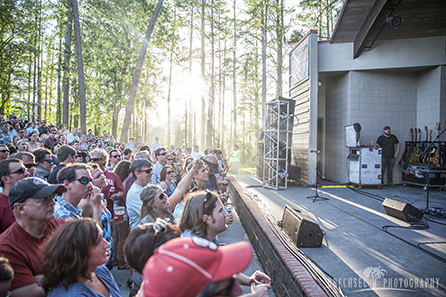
x: 294, y: 172
x: 301, y: 229
x: 402, y: 210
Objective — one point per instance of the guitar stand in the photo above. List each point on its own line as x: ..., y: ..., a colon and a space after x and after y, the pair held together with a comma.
x: 316, y: 196
x: 428, y: 180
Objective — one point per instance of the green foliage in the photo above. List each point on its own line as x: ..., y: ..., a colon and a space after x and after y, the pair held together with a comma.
x: 320, y: 15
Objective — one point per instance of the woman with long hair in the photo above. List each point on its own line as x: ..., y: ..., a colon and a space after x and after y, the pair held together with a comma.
x: 73, y: 262
x: 167, y: 176
x: 62, y: 139
x: 33, y: 141
x: 145, y: 239
x: 54, y: 148
x: 156, y: 204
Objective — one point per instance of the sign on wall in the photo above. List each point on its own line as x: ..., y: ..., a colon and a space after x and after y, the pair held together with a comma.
x: 299, y: 62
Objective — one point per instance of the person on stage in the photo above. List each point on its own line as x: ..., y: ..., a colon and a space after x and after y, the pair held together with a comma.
x: 388, y: 142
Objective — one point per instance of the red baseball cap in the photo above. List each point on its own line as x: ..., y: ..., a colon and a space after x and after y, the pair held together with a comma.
x: 183, y: 267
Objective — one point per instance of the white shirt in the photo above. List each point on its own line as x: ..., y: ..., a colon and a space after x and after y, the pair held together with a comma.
x: 197, y: 155
x: 133, y: 204
x: 156, y: 173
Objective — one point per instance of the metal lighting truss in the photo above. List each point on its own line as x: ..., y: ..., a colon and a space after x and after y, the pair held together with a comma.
x: 275, y: 148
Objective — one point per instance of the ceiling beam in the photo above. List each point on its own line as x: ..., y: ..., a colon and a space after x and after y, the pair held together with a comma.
x: 358, y: 44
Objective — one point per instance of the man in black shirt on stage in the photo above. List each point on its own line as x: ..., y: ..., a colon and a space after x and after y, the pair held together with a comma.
x: 388, y: 141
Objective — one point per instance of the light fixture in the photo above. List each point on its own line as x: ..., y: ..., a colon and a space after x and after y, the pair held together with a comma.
x: 393, y: 21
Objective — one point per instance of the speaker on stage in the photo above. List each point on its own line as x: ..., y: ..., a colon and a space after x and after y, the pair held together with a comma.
x: 303, y: 231
x: 293, y: 172
x: 402, y: 210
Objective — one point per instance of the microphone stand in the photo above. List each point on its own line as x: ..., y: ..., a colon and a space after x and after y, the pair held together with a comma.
x: 315, y: 196
x: 428, y: 178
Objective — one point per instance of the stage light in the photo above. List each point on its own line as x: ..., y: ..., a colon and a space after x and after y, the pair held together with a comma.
x: 393, y: 21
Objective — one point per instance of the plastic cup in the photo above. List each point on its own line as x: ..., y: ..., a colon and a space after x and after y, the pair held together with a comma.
x: 228, y: 208
x: 120, y: 214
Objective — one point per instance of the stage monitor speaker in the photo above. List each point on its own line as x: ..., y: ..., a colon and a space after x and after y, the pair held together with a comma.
x: 402, y: 210
x: 293, y: 172
x: 301, y: 229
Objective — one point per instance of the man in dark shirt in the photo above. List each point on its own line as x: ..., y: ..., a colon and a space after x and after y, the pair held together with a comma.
x: 388, y: 141
x: 66, y: 155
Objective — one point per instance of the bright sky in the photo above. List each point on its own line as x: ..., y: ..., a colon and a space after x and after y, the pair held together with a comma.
x: 184, y: 86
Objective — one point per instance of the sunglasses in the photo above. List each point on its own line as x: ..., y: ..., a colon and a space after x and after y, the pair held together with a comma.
x: 19, y: 171
x: 146, y: 171
x: 30, y: 165
x: 49, y: 160
x: 169, y: 172
x: 115, y: 156
x: 4, y: 151
x: 170, y: 159
x: 163, y: 154
x: 96, y: 159
x: 162, y: 195
x: 83, y: 180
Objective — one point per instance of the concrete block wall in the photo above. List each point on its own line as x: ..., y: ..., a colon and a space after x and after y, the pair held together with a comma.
x: 373, y: 99
x: 337, y: 113
x: 429, y: 103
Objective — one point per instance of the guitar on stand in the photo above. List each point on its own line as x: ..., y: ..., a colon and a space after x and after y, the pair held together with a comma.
x: 407, y: 152
x: 431, y: 153
x: 436, y: 158
x: 416, y: 154
x: 423, y: 146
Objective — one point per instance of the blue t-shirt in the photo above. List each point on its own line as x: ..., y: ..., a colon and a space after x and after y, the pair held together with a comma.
x: 80, y: 289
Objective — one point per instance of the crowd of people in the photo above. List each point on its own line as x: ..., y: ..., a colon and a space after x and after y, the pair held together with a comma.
x: 74, y: 206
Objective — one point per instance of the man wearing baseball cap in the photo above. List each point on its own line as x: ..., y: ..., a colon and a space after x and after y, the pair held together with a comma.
x: 388, y: 142
x: 209, y: 269
x: 31, y: 200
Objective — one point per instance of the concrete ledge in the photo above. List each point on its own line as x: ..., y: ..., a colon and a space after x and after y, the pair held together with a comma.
x: 289, y: 276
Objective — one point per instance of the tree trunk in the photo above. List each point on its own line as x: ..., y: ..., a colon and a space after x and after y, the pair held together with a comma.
x: 234, y: 78
x: 80, y: 68
x: 59, y: 81
x: 116, y: 110
x: 279, y: 30
x: 212, y: 95
x: 39, y: 63
x: 203, y: 74
x: 189, y: 139
x: 169, y: 130
x: 223, y: 142
x: 66, y: 66
x: 264, y: 41
x: 139, y: 64
x: 169, y: 88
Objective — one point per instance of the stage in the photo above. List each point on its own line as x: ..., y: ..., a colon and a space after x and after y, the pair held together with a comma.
x: 364, y: 258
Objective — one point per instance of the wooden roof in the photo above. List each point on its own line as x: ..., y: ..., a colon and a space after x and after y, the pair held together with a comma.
x: 363, y: 21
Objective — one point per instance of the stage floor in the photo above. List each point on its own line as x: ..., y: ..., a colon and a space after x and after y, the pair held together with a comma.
x: 365, y: 259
